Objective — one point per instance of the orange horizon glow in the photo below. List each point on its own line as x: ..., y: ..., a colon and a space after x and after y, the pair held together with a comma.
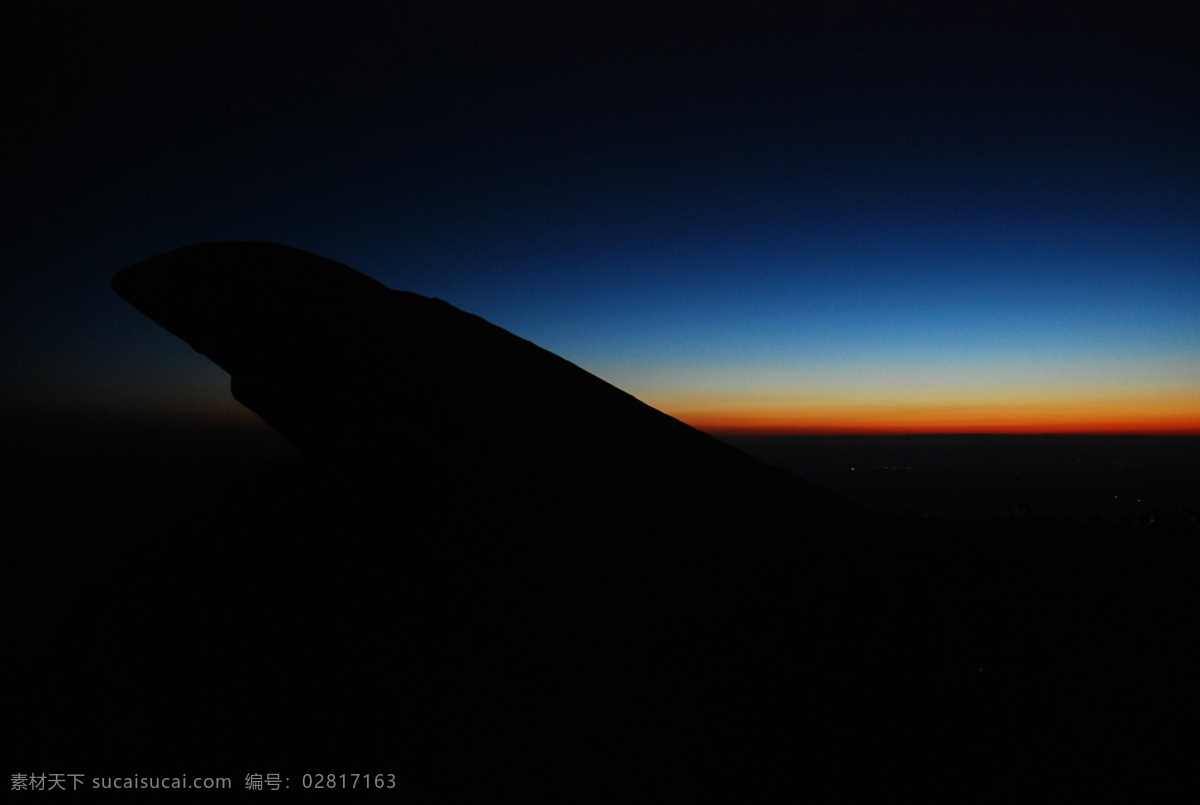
x: 967, y: 419
x: 792, y: 429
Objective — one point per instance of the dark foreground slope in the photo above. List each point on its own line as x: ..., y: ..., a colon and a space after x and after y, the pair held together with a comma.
x: 486, y: 561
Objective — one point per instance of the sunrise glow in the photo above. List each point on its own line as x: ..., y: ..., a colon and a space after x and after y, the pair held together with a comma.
x: 1153, y: 416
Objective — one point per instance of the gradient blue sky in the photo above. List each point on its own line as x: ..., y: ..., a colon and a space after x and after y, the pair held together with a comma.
x: 844, y: 215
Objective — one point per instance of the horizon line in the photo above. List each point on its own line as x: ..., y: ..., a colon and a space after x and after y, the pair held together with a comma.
x: 237, y: 417
x: 886, y: 431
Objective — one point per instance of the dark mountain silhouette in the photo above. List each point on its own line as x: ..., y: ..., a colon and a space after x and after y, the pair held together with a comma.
x: 481, y: 551
x: 361, y: 377
x: 485, y: 562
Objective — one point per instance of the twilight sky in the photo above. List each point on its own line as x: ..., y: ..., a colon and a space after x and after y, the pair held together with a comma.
x: 845, y: 216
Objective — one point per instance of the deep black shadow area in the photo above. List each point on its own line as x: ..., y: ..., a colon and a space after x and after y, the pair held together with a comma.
x: 484, y: 559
